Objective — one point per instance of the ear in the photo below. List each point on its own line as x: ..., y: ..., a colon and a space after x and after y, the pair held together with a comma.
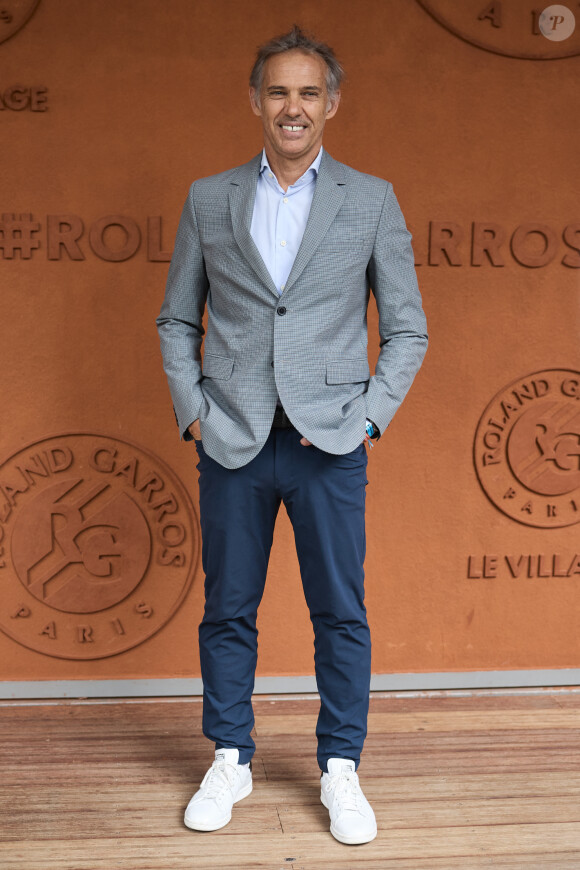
x: 255, y: 103
x: 333, y: 106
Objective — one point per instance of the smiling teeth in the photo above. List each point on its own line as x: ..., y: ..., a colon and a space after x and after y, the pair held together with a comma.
x: 293, y: 129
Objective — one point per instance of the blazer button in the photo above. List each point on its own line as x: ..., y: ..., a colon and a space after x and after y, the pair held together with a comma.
x: 281, y: 311
x: 272, y: 363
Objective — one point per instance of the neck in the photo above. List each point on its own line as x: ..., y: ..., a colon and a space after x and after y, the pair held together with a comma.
x: 288, y: 171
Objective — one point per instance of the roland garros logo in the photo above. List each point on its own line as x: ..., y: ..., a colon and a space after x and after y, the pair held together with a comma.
x: 527, y: 449
x: 13, y: 16
x: 515, y: 28
x: 98, y: 546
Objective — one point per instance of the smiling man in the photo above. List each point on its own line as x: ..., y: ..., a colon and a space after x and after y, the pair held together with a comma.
x: 289, y: 93
x: 284, y: 252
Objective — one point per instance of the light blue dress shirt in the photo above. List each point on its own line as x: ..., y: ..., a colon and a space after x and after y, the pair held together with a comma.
x: 279, y: 218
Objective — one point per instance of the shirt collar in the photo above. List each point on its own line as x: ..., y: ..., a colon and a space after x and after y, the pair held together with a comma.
x: 310, y: 174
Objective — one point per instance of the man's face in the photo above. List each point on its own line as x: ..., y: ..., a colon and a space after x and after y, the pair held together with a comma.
x: 293, y: 104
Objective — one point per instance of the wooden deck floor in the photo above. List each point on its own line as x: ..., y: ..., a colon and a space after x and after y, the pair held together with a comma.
x: 457, y: 783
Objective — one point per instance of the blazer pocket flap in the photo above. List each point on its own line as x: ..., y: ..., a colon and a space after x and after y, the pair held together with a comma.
x: 347, y: 371
x: 219, y: 367
x: 342, y: 246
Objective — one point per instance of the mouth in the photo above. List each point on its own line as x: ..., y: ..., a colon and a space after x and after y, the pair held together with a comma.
x: 293, y: 128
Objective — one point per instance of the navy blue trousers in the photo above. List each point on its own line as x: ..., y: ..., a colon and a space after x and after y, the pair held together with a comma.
x: 324, y: 496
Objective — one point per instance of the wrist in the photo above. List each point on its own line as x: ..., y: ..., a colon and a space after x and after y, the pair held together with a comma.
x: 372, y: 430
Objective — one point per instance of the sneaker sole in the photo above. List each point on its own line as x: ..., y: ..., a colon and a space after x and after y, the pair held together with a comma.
x: 352, y: 841
x: 224, y: 821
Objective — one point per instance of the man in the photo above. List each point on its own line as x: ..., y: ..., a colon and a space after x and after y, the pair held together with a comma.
x: 283, y: 252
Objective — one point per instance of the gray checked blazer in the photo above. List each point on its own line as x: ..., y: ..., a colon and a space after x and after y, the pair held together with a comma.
x: 309, y: 345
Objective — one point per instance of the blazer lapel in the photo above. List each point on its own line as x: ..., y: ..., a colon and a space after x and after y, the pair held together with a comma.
x: 329, y: 195
x: 242, y: 196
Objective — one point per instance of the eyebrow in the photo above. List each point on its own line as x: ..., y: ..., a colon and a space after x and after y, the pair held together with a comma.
x: 303, y: 88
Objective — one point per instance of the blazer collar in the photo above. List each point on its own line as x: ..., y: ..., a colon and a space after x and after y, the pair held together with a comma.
x: 329, y: 194
x: 243, y: 184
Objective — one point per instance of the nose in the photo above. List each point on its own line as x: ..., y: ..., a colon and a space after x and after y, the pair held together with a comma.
x: 293, y: 105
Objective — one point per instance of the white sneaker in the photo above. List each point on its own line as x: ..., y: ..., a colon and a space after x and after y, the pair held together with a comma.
x: 225, y: 783
x: 352, y: 819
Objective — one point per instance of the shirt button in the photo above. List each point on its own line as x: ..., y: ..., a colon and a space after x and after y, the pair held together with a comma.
x: 285, y: 199
x: 283, y: 244
x: 281, y: 311
x: 282, y: 286
x: 270, y: 175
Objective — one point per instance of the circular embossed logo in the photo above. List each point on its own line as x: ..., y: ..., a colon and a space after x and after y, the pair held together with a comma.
x: 527, y: 449
x: 98, y: 546
x: 13, y: 16
x: 520, y: 28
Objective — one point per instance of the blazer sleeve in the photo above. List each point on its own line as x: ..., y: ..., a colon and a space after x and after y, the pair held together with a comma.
x: 180, y: 323
x: 402, y: 323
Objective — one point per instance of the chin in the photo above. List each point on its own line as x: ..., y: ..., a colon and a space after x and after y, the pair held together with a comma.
x: 293, y: 148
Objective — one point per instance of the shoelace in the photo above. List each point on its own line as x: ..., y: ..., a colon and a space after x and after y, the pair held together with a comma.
x: 346, y: 790
x: 219, y: 777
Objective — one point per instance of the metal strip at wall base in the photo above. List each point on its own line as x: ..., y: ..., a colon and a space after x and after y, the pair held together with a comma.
x: 416, y: 682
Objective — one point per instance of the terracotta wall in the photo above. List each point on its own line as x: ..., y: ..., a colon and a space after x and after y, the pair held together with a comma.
x: 108, y: 111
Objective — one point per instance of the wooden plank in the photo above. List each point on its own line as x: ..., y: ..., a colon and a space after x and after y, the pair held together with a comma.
x: 408, y: 723
x: 448, y: 813
x: 409, y: 703
x: 56, y: 821
x: 33, y: 792
x: 310, y: 850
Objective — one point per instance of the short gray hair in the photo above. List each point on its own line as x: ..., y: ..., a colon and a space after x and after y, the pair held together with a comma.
x: 297, y: 39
